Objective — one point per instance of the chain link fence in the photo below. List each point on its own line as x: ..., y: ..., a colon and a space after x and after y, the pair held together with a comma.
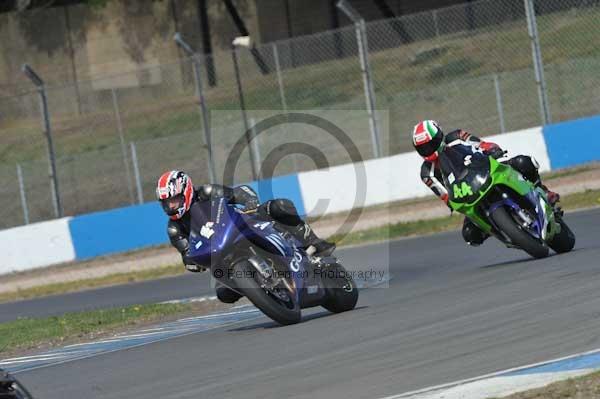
x: 467, y: 66
x: 569, y: 39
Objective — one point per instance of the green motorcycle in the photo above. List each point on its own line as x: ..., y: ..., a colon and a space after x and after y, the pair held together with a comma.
x: 502, y: 203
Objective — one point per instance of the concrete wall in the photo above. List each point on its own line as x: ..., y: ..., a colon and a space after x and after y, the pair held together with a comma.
x: 574, y: 142
x: 36, y: 245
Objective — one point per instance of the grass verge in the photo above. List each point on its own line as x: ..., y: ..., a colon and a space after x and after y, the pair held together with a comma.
x: 404, y: 229
x: 549, y: 176
x: 585, y: 199
x: 587, y: 386
x: 25, y: 334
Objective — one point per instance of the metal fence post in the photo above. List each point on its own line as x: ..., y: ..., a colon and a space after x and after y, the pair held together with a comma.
x: 136, y: 172
x: 248, y: 132
x: 499, y: 103
x: 538, y: 65
x: 22, y: 192
x: 279, y: 78
x: 363, y: 53
x: 435, y: 23
x: 39, y: 83
x: 203, y: 110
x: 255, y: 146
x: 282, y: 95
x: 205, y: 121
x: 116, y: 109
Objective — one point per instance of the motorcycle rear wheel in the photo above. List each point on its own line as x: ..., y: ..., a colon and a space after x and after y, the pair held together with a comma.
x: 342, y: 293
x: 563, y: 241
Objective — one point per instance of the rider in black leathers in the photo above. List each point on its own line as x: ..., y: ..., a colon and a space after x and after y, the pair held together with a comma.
x: 177, y: 194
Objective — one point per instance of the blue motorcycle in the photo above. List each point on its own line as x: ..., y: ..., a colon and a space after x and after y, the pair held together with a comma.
x: 260, y: 260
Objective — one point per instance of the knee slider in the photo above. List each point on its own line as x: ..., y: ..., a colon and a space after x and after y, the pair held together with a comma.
x: 227, y: 295
x: 473, y: 235
x: 282, y: 207
x: 284, y: 211
x: 173, y: 230
x: 178, y: 240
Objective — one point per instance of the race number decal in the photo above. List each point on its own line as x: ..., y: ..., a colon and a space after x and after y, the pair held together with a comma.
x: 463, y: 191
x: 295, y: 262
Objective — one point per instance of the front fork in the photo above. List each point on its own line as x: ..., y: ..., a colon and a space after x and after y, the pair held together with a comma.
x: 544, y: 221
x: 550, y: 223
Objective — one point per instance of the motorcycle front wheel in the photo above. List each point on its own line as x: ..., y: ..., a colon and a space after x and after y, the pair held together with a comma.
x: 283, y: 312
x: 518, y: 236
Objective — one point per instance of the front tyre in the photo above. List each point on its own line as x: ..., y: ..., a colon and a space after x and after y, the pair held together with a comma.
x: 563, y: 241
x: 342, y: 293
x: 517, y: 235
x: 278, y: 311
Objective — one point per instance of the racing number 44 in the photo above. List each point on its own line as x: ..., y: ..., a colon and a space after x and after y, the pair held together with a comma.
x: 462, y: 191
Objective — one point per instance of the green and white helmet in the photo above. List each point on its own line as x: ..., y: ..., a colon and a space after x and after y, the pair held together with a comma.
x: 428, y: 138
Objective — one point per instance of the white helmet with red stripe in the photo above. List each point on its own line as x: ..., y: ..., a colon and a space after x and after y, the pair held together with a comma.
x: 175, y: 192
x: 428, y: 138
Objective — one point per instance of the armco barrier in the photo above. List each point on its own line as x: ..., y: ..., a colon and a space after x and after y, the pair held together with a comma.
x: 36, y: 245
x: 395, y: 178
x: 574, y: 142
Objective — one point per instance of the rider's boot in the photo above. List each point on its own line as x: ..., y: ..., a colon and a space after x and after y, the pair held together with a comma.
x: 307, y: 237
x: 472, y: 234
x: 553, y: 197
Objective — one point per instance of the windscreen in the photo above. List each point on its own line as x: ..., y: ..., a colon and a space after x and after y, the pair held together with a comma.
x: 465, y: 170
x: 211, y: 228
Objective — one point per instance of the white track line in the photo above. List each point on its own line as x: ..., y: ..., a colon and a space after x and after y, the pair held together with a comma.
x: 486, y: 376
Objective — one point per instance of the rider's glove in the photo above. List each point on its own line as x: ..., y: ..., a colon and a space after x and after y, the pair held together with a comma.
x: 492, y: 149
x: 251, y: 203
x: 246, y: 196
x: 498, y: 153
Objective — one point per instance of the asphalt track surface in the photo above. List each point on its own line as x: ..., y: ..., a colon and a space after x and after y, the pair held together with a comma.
x: 450, y: 313
x: 165, y: 289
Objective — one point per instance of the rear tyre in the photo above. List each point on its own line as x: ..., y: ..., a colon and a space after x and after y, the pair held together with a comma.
x: 563, y: 241
x: 270, y: 306
x: 518, y: 236
x: 342, y: 293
